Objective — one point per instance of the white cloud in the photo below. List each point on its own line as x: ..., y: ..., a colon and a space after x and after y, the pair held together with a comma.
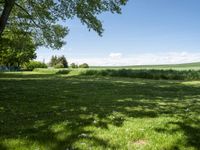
x: 115, y: 55
x: 116, y: 59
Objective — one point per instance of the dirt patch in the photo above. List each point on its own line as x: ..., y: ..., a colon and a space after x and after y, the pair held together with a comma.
x: 140, y: 142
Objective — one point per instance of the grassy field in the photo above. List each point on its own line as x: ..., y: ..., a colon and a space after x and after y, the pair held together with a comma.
x: 186, y: 66
x: 48, y: 111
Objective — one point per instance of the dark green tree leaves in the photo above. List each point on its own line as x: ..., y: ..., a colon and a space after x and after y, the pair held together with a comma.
x: 16, y: 48
x: 58, y: 62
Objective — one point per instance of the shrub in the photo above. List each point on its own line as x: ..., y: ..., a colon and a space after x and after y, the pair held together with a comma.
x: 73, y: 65
x: 63, y: 72
x: 146, y: 74
x: 34, y: 64
x: 46, y: 71
x: 59, y: 66
x: 63, y: 61
x: 84, y: 65
x: 57, y: 61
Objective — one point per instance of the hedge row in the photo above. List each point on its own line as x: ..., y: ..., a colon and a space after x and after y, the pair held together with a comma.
x: 146, y: 74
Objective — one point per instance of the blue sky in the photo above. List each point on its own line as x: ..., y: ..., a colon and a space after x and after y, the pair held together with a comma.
x: 147, y: 32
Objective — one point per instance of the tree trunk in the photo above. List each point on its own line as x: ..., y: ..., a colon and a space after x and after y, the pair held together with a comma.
x: 5, y: 14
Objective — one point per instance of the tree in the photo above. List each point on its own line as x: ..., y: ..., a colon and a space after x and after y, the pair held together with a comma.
x: 58, y: 62
x: 84, y: 65
x: 41, y: 17
x: 53, y: 61
x: 63, y: 61
x: 73, y: 65
x: 16, y: 49
x: 30, y: 66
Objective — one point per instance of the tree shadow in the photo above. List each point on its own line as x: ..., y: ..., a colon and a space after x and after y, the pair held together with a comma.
x: 3, y: 147
x: 190, y: 127
x: 30, y: 108
x: 28, y: 75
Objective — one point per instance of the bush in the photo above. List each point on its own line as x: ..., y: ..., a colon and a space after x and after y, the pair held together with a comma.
x: 63, y: 72
x: 46, y: 70
x: 11, y: 68
x: 84, y: 65
x: 73, y: 65
x: 63, y: 61
x: 146, y: 74
x: 59, y: 66
x: 58, y: 62
x: 34, y: 64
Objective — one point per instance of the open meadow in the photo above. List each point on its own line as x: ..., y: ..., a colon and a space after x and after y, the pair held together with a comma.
x: 46, y: 110
x: 99, y: 75
x: 185, y: 66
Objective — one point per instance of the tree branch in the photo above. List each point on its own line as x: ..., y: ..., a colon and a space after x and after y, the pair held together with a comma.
x: 29, y: 15
x: 8, y: 6
x: 2, y: 2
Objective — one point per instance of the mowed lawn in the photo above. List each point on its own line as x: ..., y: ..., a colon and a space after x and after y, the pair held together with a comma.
x: 60, y: 112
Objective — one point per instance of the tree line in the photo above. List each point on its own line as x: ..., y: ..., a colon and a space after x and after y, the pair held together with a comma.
x: 22, y: 60
x: 61, y: 62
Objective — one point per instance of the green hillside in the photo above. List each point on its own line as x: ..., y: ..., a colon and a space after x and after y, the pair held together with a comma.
x: 185, y: 66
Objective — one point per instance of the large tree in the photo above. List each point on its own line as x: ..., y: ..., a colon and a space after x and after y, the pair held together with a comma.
x: 16, y: 48
x: 41, y: 17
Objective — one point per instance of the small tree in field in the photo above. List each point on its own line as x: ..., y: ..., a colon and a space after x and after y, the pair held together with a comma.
x: 58, y: 62
x: 53, y: 61
x: 62, y: 60
x: 84, y: 65
x: 30, y: 66
x: 73, y: 65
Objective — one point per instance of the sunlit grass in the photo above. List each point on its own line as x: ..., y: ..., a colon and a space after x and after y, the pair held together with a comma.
x: 59, y: 112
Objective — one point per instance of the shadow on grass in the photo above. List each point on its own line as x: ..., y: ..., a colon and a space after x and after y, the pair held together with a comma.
x: 190, y: 127
x: 25, y: 75
x: 2, y: 147
x: 192, y: 131
x: 31, y: 109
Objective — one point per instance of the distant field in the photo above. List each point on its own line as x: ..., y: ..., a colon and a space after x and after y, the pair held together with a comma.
x: 193, y: 66
x: 43, y: 110
x: 150, y: 73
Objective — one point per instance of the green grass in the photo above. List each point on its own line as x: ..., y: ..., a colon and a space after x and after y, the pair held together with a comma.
x: 157, y: 74
x: 48, y: 111
x: 186, y: 66
x: 145, y: 74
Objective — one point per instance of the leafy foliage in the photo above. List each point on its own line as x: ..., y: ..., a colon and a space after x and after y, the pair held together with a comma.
x: 146, y: 74
x: 63, y: 61
x: 41, y: 17
x: 16, y: 49
x: 84, y: 65
x: 59, y: 65
x: 58, y: 62
x: 53, y: 61
x: 34, y: 64
x: 73, y: 65
x: 63, y: 72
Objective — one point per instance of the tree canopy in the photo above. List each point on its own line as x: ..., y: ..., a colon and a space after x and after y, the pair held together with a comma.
x: 16, y: 49
x: 84, y: 65
x: 40, y: 18
x: 58, y: 62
